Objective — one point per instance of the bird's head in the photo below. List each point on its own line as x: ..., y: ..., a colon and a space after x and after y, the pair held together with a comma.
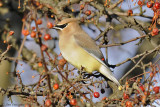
x: 68, y: 24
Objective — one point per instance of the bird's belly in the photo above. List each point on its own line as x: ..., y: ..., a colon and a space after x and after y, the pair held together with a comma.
x: 80, y: 58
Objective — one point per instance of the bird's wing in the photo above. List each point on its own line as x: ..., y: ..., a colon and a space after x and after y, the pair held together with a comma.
x: 89, y: 45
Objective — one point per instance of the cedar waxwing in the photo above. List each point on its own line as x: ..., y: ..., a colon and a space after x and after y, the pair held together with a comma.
x: 80, y: 50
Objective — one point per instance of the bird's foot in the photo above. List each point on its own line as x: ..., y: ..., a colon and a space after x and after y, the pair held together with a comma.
x: 86, y: 75
x: 111, y: 66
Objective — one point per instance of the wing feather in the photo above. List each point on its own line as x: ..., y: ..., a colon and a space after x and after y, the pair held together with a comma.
x: 89, y: 45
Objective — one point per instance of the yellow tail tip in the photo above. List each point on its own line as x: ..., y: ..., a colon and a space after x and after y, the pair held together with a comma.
x: 120, y: 87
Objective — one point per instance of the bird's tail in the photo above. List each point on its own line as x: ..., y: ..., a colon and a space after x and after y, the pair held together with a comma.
x: 107, y: 73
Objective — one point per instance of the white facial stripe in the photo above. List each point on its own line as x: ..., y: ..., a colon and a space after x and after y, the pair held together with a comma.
x: 57, y: 28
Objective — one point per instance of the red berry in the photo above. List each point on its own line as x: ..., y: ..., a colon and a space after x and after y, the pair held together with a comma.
x: 33, y: 28
x: 125, y: 96
x: 96, y: 94
x: 48, y: 102
x: 25, y: 32
x: 37, y: 3
x: 155, y: 31
x: 11, y: 33
x: 149, y: 4
x: 154, y: 8
x: 102, y: 59
x: 88, y: 12
x: 39, y: 21
x: 142, y: 88
x: 27, y: 105
x: 104, y: 98
x: 151, y: 74
x: 33, y: 34
x: 157, y: 5
x: 73, y: 102
x: 52, y: 16
x: 129, y: 104
x: 44, y: 47
x: 140, y: 3
x: 56, y: 86
x: 130, y: 12
x: 146, y: 93
x: 156, y: 89
x: 49, y: 25
x: 47, y: 37
x: 62, y: 62
x: 81, y: 6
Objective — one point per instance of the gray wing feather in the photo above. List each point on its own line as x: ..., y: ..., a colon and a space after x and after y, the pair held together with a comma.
x: 89, y: 45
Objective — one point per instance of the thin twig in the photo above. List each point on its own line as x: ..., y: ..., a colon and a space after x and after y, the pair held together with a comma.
x: 122, y: 43
x: 139, y: 55
x: 43, y: 59
x: 144, y: 55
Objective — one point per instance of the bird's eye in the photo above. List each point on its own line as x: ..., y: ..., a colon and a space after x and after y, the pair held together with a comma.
x: 61, y: 26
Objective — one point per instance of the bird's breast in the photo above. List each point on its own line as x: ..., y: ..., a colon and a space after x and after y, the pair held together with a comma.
x: 77, y: 56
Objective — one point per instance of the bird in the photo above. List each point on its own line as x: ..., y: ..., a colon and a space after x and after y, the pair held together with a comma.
x: 80, y: 50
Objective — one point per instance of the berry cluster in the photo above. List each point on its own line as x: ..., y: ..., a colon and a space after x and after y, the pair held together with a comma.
x: 155, y: 6
x: 138, y: 93
x: 34, y: 34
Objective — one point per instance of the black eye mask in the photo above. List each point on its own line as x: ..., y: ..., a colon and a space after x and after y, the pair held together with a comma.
x: 61, y: 26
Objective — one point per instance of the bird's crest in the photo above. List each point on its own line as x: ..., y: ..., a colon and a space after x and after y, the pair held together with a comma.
x: 68, y: 20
